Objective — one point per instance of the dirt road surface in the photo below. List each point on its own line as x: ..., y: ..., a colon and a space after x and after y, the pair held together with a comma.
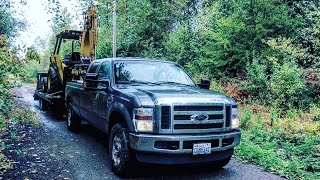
x: 55, y: 153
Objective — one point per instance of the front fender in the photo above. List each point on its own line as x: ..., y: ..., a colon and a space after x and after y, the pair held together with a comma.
x: 121, y: 108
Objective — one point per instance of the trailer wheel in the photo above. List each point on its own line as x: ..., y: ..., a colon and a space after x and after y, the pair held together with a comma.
x: 44, y: 83
x: 43, y: 104
x: 73, y: 122
x: 55, y: 82
x: 121, y: 159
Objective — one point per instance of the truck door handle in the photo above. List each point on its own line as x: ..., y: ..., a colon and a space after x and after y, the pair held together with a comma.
x: 109, y: 100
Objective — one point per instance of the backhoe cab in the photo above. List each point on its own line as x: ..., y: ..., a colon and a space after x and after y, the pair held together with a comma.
x: 69, y: 65
x: 73, y: 52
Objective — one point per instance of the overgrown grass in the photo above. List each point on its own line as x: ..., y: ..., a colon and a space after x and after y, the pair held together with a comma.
x: 4, y: 162
x: 24, y: 116
x: 11, y: 68
x: 288, y: 146
x: 15, y: 117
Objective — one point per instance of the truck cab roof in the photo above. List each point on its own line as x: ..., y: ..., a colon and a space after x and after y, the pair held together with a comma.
x: 132, y: 59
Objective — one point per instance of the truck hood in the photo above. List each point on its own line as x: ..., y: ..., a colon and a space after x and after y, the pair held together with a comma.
x: 152, y: 95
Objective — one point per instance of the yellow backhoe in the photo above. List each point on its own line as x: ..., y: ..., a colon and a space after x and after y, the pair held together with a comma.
x: 71, y: 67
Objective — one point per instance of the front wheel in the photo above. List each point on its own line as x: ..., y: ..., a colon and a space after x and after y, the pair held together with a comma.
x: 119, y: 151
x: 221, y: 163
x: 73, y: 122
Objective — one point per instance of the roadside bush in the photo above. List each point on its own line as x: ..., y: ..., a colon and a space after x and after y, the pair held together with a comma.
x: 216, y: 86
x: 29, y: 72
x: 30, y: 66
x: 6, y: 67
x: 258, y: 80
x: 246, y: 117
x: 23, y: 115
x: 4, y: 162
x: 288, y: 87
x: 283, y: 86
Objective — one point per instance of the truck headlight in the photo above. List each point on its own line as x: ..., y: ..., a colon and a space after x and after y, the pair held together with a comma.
x: 143, y: 119
x: 235, y: 123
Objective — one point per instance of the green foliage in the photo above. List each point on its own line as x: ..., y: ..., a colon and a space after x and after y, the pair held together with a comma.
x: 61, y: 21
x: 258, y: 80
x: 9, y: 24
x: 286, y: 148
x: 215, y: 86
x: 24, y: 116
x: 282, y: 85
x: 29, y: 72
x: 32, y: 54
x: 309, y: 34
x: 265, y: 43
x: 231, y: 34
x: 288, y: 87
x: 10, y: 65
x: 29, y: 66
x: 7, y: 66
x: 5, y: 164
x: 246, y: 117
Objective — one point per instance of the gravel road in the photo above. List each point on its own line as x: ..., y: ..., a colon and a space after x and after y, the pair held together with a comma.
x: 83, y: 155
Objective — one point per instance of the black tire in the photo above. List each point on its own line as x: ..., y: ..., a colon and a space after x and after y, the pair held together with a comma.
x: 122, y: 160
x: 43, y: 104
x: 59, y: 108
x: 55, y: 82
x: 73, y: 122
x: 36, y: 97
x: 44, y: 84
x: 221, y: 163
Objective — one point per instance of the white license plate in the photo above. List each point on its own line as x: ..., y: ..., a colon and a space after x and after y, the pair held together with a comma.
x: 201, y: 148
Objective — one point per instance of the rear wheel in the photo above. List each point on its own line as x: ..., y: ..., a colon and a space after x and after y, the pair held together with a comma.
x: 121, y: 159
x: 59, y: 108
x: 55, y: 82
x: 43, y: 104
x: 73, y: 122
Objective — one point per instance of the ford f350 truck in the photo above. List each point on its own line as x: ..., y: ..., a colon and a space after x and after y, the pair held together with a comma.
x: 153, y: 112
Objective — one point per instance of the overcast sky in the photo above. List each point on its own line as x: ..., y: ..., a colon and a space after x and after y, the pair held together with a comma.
x: 38, y: 19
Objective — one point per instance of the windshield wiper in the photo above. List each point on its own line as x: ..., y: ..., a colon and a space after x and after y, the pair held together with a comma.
x: 171, y: 82
x: 143, y: 82
x: 137, y: 81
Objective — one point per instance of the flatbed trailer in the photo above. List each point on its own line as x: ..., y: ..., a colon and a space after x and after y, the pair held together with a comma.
x: 56, y: 99
x: 44, y: 98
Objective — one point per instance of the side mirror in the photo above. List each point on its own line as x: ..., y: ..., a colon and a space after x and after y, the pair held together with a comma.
x: 204, y: 83
x: 91, y: 83
x: 90, y: 80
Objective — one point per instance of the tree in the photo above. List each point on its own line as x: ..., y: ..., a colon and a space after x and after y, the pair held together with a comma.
x: 9, y: 25
x: 61, y: 21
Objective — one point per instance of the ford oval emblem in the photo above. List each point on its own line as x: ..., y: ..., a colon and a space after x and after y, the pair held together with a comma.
x: 199, y: 117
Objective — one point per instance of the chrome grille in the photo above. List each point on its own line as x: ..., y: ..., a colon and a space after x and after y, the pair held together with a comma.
x: 182, y: 123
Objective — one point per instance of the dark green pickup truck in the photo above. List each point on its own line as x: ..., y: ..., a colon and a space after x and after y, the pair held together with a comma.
x: 153, y: 112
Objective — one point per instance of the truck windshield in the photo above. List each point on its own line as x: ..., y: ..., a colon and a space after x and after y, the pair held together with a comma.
x: 150, y: 72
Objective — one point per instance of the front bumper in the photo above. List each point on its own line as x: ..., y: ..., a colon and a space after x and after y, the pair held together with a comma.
x: 144, y: 146
x: 146, y: 142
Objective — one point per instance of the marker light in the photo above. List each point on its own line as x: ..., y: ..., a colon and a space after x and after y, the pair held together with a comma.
x: 235, y: 123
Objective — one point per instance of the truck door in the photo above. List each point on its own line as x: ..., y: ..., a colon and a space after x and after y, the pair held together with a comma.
x: 104, y: 98
x: 88, y: 99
